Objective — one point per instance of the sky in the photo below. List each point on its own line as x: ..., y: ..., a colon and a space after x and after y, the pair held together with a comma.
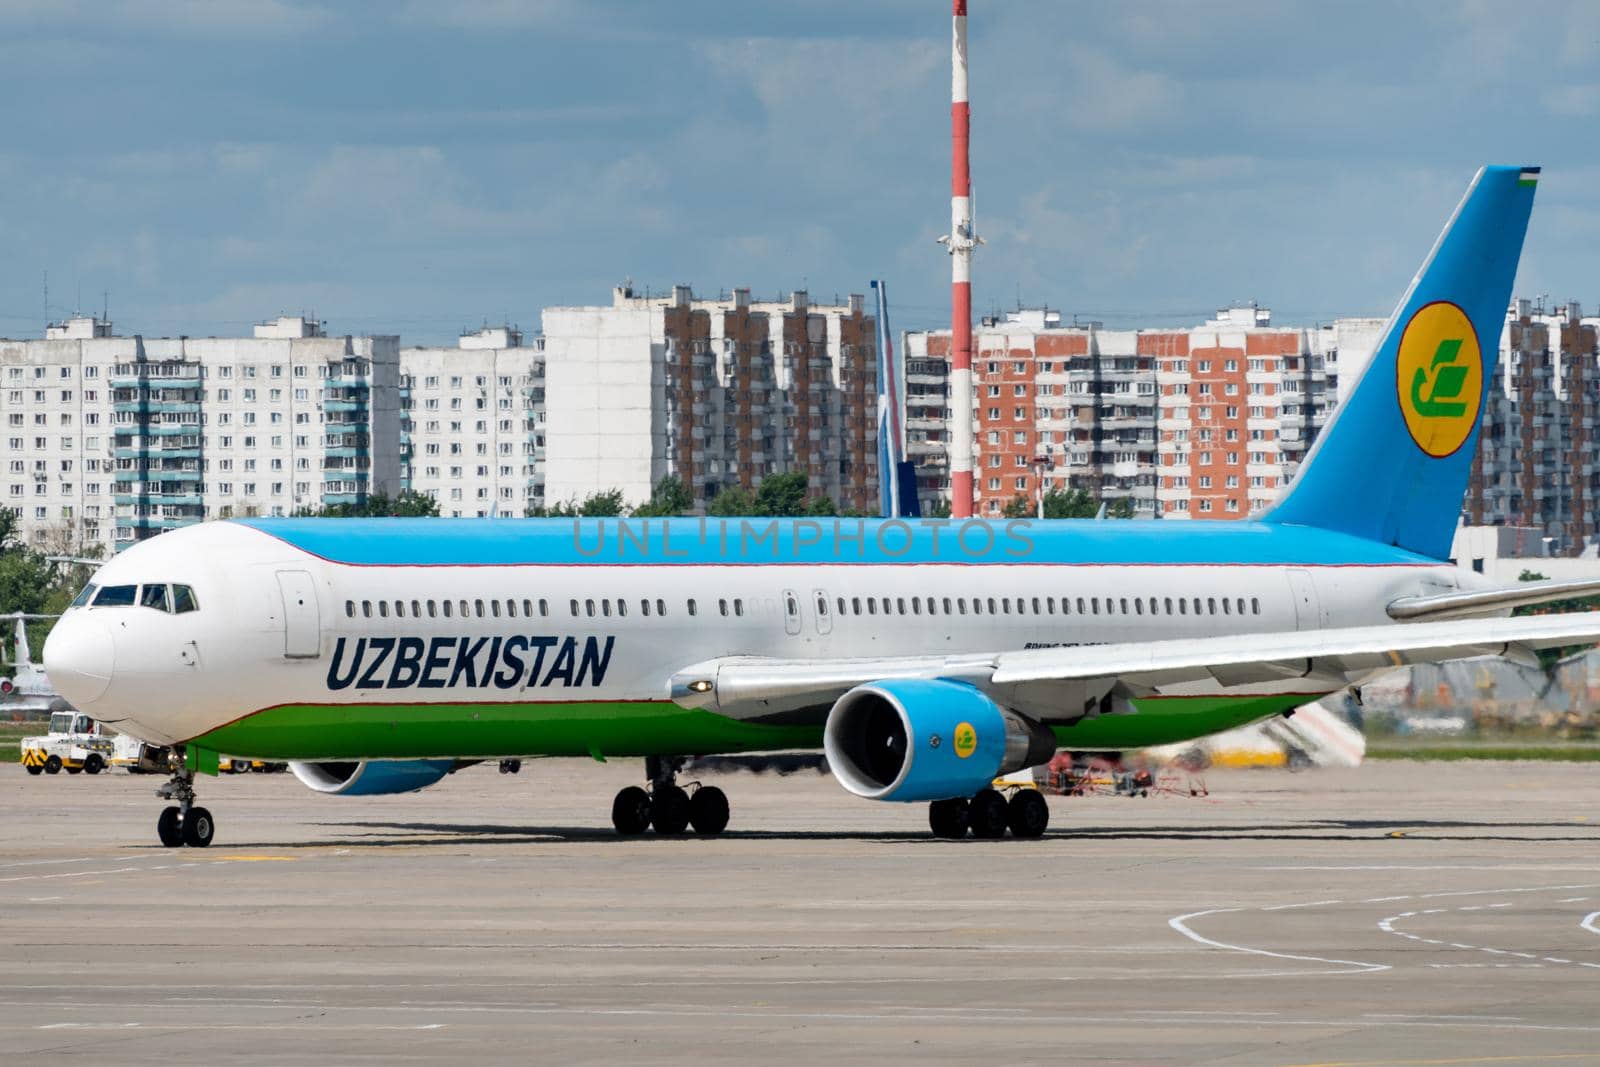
x: 423, y: 167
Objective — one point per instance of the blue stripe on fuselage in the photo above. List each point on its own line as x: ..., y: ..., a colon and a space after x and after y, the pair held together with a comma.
x: 512, y: 542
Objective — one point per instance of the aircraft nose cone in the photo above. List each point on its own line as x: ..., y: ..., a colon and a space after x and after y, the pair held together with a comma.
x: 78, y: 658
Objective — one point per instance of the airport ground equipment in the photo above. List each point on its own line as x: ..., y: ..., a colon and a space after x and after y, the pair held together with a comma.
x: 75, y: 743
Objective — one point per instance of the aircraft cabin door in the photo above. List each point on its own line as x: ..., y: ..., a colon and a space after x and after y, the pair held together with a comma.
x: 824, y: 616
x: 302, y: 626
x: 791, y: 613
x: 1307, y: 605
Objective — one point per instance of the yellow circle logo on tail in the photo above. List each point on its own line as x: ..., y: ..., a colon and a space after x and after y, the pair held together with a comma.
x: 1439, y: 376
x: 966, y: 739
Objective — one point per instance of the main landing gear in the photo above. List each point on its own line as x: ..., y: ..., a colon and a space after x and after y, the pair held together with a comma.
x: 667, y: 806
x: 987, y: 814
x: 183, y: 823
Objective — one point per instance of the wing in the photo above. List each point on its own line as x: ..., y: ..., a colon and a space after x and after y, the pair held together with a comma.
x: 1065, y: 684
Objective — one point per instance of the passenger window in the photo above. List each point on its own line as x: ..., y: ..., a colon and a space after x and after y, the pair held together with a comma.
x: 494, y: 608
x: 399, y: 609
x: 961, y: 605
x: 722, y: 606
x: 416, y: 609
x: 574, y: 609
x: 738, y: 607
x: 977, y: 605
x: 842, y: 609
x: 544, y: 608
x: 900, y: 605
x: 622, y: 606
x: 1080, y: 607
x: 1225, y: 610
x: 433, y: 610
x: 1241, y: 605
x: 446, y: 606
x: 991, y: 606
x: 792, y: 606
x: 916, y: 605
x: 872, y: 606
x: 154, y: 596
x: 511, y: 609
x: 661, y: 607
x: 855, y: 605
x: 1169, y: 605
x: 886, y: 605
x: 1154, y: 606
x: 479, y: 605
x: 1138, y: 606
x: 693, y: 608
x: 1211, y: 605
x: 933, y: 606
x: 527, y: 609
x: 1183, y: 606
x: 366, y: 609
x: 1094, y: 605
x: 183, y: 600
x: 466, y: 611
x: 644, y: 606
x: 1197, y: 608
x: 349, y: 609
x: 1123, y: 607
x: 605, y: 607
x: 588, y: 607
x: 383, y: 609
x: 1036, y: 606
x: 822, y: 606
x: 1255, y: 606
x: 947, y: 605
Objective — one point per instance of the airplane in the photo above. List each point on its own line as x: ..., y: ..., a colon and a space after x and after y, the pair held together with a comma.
x: 27, y: 689
x: 924, y: 657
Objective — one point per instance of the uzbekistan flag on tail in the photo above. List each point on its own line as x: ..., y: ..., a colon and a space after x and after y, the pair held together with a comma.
x: 890, y: 447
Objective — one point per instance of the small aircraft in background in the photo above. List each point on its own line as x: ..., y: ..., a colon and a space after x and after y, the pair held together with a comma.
x: 26, y: 688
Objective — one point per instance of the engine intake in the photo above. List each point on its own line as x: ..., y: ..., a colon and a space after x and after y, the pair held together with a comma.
x: 912, y: 739
x: 370, y: 778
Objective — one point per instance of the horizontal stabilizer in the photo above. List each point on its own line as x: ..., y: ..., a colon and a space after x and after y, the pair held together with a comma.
x: 1480, y: 602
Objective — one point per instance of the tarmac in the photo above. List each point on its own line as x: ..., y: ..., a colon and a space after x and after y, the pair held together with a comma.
x: 1396, y: 914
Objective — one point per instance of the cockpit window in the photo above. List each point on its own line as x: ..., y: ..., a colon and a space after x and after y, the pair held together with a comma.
x: 154, y: 596
x: 84, y: 597
x: 116, y: 596
x: 183, y: 600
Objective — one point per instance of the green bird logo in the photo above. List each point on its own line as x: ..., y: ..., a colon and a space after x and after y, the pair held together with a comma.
x: 1448, y: 380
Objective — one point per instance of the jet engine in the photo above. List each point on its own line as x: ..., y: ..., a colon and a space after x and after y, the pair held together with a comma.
x: 370, y: 778
x: 927, y: 739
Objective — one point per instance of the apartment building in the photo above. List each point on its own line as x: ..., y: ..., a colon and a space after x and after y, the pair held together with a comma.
x: 135, y: 435
x: 1536, y: 464
x: 1207, y: 421
x: 473, y: 423
x: 716, y: 392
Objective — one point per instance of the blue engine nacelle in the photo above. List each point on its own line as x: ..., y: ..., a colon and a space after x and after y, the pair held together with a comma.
x: 373, y: 777
x: 927, y: 739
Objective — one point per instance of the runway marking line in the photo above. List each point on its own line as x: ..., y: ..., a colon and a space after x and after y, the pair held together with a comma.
x: 1387, y: 926
x: 1531, y: 1058
x: 1589, y: 922
x: 1180, y: 924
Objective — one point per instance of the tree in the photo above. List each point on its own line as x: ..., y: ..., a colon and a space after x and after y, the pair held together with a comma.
x: 733, y: 501
x: 782, y: 494
x: 820, y: 507
x: 408, y: 504
x: 603, y: 504
x: 670, y: 497
x: 1549, y: 657
x: 939, y: 510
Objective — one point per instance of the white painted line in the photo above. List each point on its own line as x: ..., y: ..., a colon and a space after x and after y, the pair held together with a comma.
x: 1589, y: 922
x: 1385, y: 900
x: 1180, y: 924
x: 1572, y: 900
x: 1308, y: 904
x: 1436, y: 867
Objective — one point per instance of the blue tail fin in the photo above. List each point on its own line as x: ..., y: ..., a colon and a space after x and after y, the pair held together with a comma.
x: 1392, y: 464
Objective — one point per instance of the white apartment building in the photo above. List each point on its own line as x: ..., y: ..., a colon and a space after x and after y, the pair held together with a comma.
x: 716, y: 392
x: 472, y: 423
x: 137, y: 435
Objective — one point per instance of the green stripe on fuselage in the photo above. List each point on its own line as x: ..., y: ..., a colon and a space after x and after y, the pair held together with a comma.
x: 640, y: 728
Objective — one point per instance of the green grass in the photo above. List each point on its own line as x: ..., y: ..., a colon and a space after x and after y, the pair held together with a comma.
x: 1550, y: 751
x: 11, y: 735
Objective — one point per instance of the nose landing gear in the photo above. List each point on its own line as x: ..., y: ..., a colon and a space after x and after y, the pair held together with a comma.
x: 183, y: 823
x: 667, y: 806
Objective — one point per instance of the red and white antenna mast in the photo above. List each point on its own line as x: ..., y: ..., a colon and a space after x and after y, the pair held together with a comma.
x: 959, y: 243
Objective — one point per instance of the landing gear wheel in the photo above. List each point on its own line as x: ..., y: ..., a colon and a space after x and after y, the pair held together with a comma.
x: 708, y: 810
x: 987, y: 815
x: 169, y: 827
x: 948, y: 818
x: 52, y: 765
x: 669, y: 810
x: 630, y: 811
x: 94, y: 764
x: 1028, y: 813
x: 198, y: 828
